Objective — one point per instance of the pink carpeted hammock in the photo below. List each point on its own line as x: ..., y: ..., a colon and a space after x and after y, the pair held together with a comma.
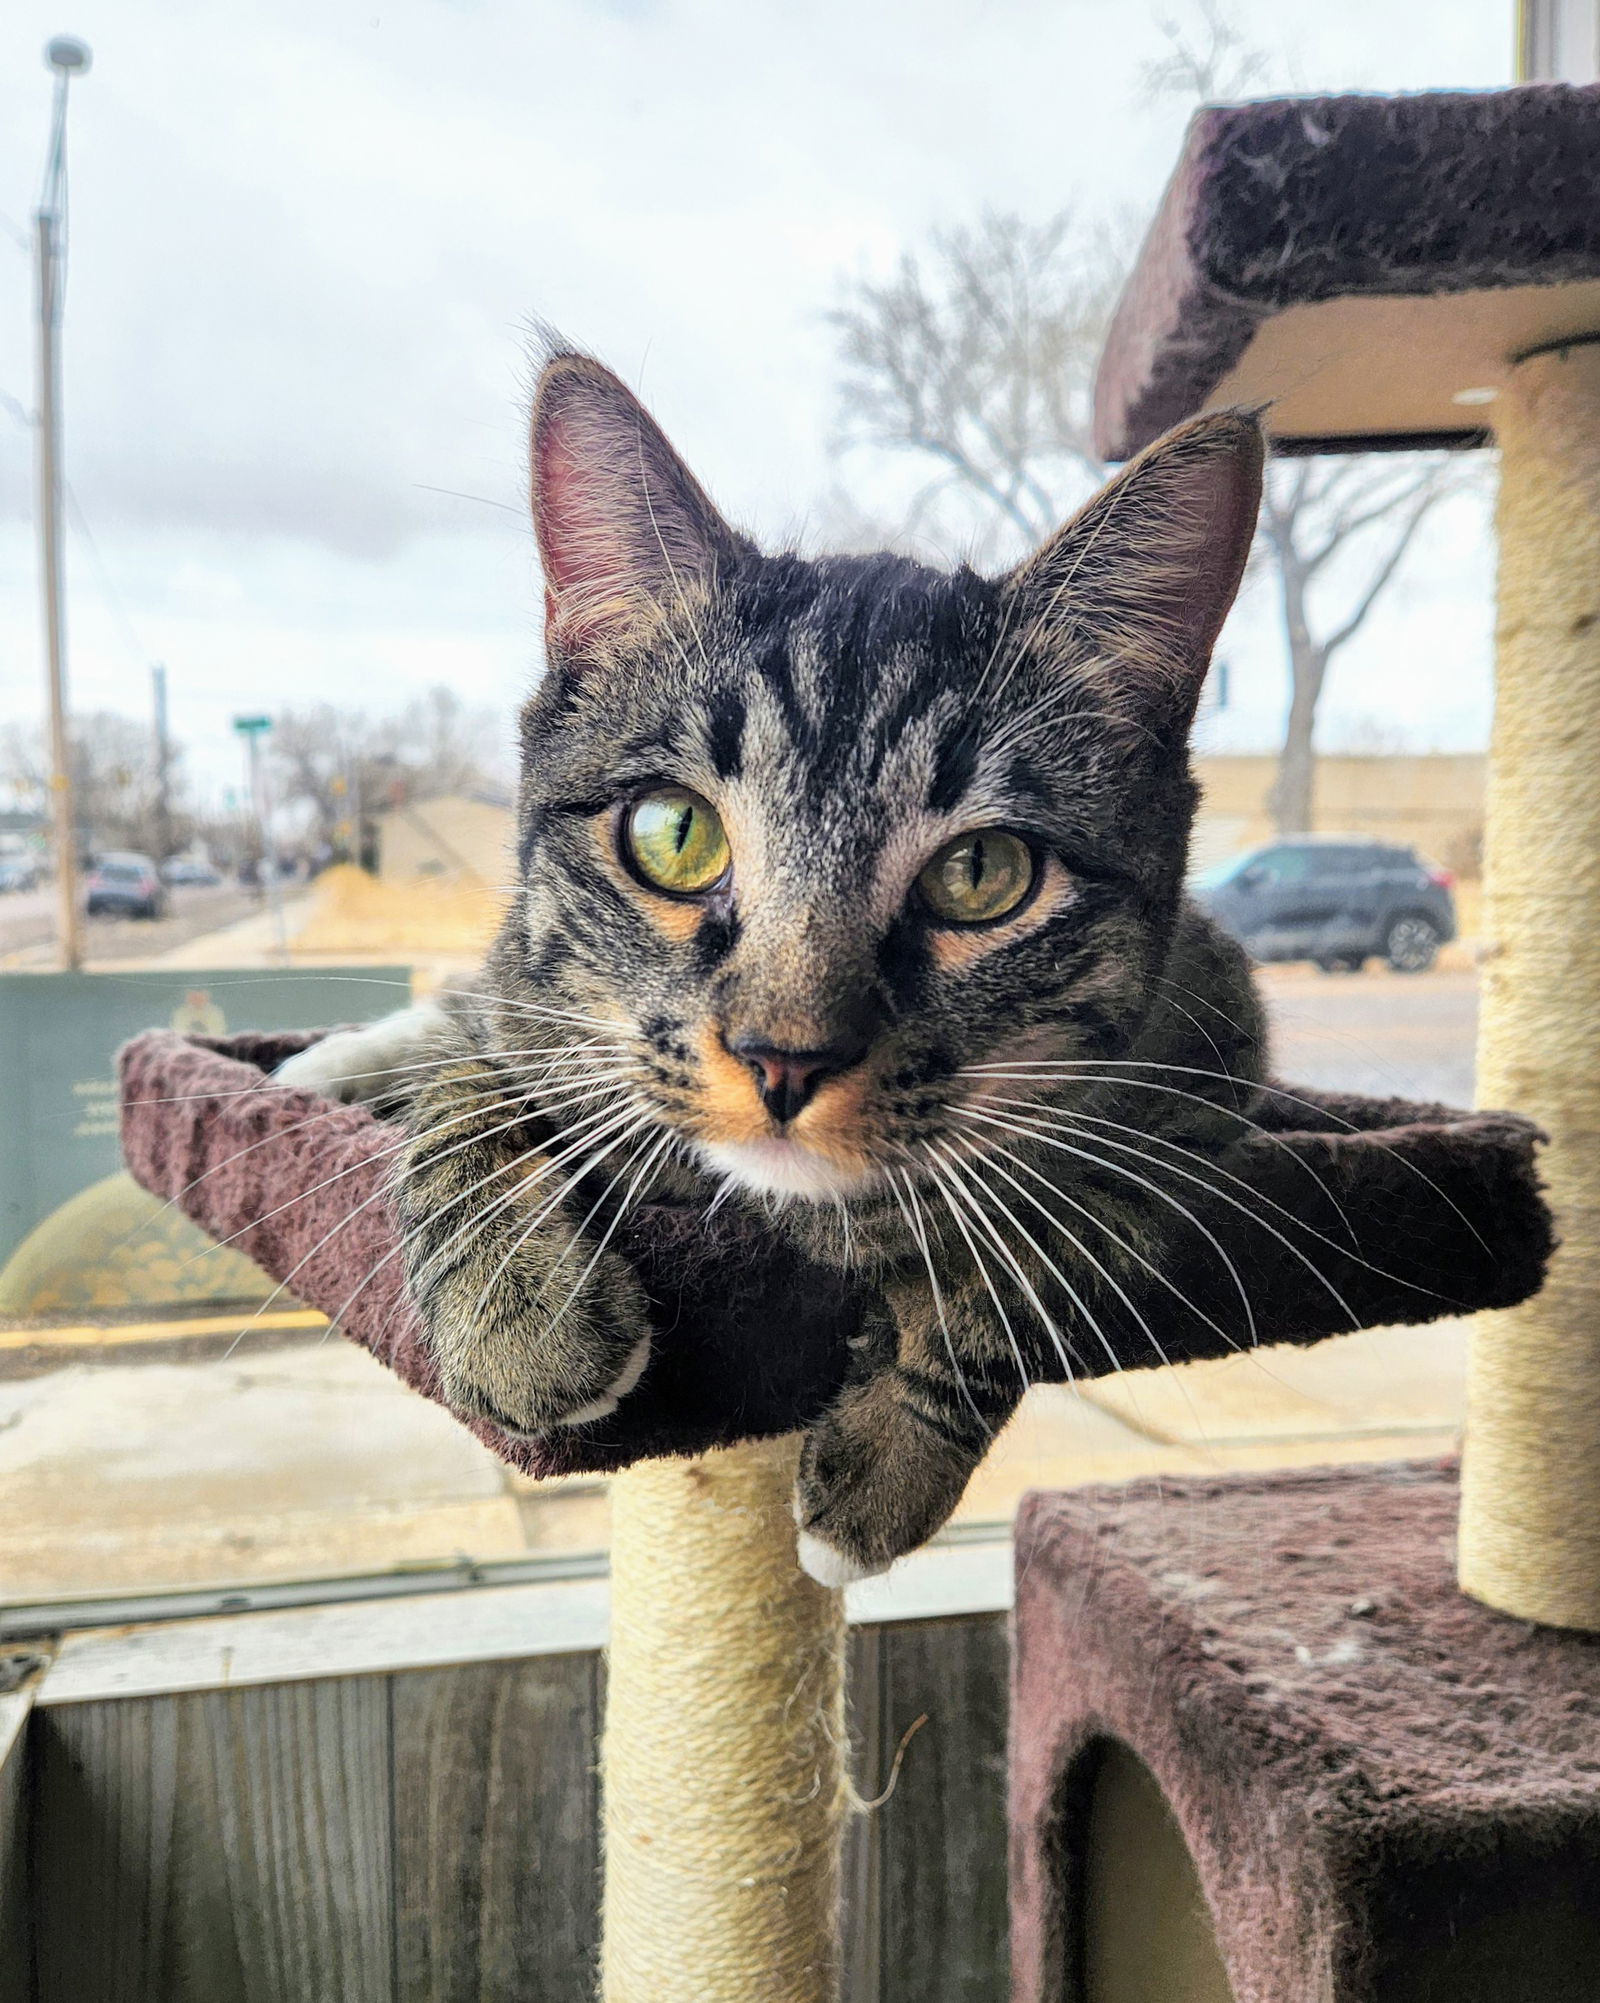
x: 1409, y: 1213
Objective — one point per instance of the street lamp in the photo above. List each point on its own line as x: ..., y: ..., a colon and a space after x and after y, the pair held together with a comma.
x: 68, y: 58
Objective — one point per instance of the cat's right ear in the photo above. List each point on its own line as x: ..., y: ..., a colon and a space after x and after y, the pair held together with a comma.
x: 1131, y: 595
x: 625, y: 530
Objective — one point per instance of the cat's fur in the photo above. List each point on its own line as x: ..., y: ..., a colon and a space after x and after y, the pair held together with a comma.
x: 846, y: 717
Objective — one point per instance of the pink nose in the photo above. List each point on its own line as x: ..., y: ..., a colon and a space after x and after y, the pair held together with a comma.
x: 786, y: 1079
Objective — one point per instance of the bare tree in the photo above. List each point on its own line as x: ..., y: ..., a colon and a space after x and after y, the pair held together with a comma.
x: 324, y: 761
x: 343, y: 765
x: 978, y: 357
x: 1313, y: 512
x: 1333, y: 530
x: 1208, y: 58
x: 445, y: 745
x: 115, y: 787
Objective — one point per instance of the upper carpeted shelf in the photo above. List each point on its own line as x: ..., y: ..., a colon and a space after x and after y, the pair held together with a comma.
x: 1368, y: 266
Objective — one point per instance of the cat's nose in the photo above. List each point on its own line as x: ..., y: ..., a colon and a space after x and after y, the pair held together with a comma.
x: 786, y: 1079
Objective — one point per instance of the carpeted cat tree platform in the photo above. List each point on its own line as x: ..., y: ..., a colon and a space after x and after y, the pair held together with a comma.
x: 1406, y: 1212
x: 725, y: 1793
x: 1263, y: 1747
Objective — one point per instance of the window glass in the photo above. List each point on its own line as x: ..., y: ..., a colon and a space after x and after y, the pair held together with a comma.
x: 302, y: 611
x: 1332, y: 861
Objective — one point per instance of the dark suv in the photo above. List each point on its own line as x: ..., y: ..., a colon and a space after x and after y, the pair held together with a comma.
x: 1334, y: 899
x: 125, y: 886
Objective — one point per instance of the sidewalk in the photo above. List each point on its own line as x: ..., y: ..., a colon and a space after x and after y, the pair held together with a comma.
x: 310, y: 1460
x: 251, y: 942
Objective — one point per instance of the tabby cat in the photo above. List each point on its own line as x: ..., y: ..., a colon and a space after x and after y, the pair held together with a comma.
x: 850, y: 890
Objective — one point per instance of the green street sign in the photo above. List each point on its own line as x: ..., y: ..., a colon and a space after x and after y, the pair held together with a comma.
x: 252, y: 726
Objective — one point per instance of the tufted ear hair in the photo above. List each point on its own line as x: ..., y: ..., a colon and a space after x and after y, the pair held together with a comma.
x: 625, y: 530
x: 1132, y: 592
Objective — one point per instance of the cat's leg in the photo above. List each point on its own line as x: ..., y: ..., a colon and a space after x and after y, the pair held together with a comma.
x: 377, y: 1063
x: 884, y: 1468
x: 532, y: 1321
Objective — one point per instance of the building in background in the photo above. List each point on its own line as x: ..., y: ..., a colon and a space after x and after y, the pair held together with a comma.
x: 458, y: 838
x: 1432, y: 802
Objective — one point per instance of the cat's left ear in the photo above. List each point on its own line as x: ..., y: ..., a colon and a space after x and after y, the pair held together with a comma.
x: 625, y: 530
x: 1132, y: 592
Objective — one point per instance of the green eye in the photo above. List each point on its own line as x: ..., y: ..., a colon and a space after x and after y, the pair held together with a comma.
x: 977, y: 877
x: 676, y: 841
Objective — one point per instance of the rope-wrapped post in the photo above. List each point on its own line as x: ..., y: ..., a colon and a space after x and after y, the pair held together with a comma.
x: 1530, y: 1517
x: 723, y: 1758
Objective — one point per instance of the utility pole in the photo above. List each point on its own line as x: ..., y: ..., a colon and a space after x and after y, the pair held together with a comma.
x: 158, y: 686
x: 68, y: 58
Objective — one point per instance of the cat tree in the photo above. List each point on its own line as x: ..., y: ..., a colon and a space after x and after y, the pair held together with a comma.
x: 1390, y: 272
x: 725, y: 1796
x: 1384, y: 272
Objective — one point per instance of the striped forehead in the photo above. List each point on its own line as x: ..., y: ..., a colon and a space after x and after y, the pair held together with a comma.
x: 853, y: 759
x: 868, y: 688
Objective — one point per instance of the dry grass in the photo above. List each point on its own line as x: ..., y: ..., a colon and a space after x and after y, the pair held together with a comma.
x: 356, y: 914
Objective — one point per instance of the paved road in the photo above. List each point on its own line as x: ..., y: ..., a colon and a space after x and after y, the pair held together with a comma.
x: 1411, y: 1035
x: 27, y: 925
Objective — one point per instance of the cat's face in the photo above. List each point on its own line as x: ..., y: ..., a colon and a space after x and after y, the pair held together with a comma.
x: 818, y: 837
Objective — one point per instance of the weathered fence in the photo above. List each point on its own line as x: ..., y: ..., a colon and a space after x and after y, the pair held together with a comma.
x: 431, y: 1835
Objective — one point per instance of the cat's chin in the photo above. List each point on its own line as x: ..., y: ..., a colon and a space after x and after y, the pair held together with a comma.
x: 782, y: 1167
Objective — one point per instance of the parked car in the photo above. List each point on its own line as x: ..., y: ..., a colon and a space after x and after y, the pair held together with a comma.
x: 18, y: 872
x: 125, y: 886
x: 184, y: 869
x: 1333, y: 899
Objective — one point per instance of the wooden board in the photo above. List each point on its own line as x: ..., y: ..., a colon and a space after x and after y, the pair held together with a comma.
x: 230, y: 1847
x: 496, y: 1824
x: 945, y: 1922
x: 925, y: 1872
x: 433, y: 1835
x: 863, y: 1851
x: 16, y: 1978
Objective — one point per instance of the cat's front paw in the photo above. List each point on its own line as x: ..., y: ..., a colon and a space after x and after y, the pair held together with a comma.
x: 875, y: 1482
x: 829, y: 1565
x: 527, y: 1348
x: 482, y: 1376
x: 382, y: 1061
x: 627, y: 1380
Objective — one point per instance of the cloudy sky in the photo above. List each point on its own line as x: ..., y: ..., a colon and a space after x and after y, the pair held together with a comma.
x: 308, y: 237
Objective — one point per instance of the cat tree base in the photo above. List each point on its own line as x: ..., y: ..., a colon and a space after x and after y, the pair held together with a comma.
x: 1262, y: 1748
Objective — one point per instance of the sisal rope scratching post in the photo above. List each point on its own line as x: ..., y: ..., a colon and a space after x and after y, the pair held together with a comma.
x: 723, y: 1757
x: 1281, y: 269
x: 1530, y: 1516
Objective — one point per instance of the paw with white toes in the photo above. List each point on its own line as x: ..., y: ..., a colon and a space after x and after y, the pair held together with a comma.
x: 608, y: 1401
x: 830, y: 1566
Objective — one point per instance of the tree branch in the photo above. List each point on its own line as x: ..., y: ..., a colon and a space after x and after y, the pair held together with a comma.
x: 1380, y: 577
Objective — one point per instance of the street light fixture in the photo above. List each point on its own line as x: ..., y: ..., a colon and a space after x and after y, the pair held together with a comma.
x: 68, y: 55
x: 68, y: 58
